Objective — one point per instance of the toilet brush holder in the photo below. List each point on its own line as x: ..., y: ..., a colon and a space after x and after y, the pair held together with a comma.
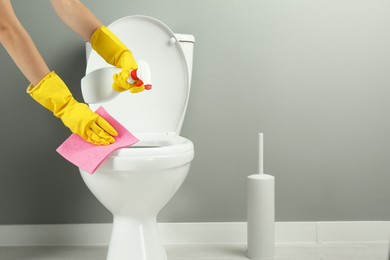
x: 261, y: 216
x: 260, y: 212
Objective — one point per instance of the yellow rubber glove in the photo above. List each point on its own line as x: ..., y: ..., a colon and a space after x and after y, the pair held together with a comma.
x: 53, y: 94
x: 114, y: 52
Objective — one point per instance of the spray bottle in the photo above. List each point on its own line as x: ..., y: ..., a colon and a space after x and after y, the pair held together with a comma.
x: 261, y: 212
x: 96, y: 86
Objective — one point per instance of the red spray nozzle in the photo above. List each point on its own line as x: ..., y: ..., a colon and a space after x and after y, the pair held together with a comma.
x: 141, y: 76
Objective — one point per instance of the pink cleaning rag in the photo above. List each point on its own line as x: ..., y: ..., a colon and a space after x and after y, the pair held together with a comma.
x: 88, y: 156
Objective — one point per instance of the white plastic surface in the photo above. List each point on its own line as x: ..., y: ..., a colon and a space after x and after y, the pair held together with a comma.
x: 162, y: 108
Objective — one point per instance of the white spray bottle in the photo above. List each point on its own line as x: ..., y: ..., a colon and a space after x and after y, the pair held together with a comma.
x: 261, y: 212
x: 97, y: 85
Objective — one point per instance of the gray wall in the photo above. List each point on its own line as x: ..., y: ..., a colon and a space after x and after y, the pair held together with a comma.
x: 313, y: 75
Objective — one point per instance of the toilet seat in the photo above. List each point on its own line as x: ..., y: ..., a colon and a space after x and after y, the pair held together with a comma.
x: 153, y: 151
x: 156, y: 145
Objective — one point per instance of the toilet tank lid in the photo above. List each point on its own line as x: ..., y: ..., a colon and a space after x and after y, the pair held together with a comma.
x: 185, y: 37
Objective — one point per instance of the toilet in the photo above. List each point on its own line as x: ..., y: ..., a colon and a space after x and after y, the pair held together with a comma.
x: 134, y: 183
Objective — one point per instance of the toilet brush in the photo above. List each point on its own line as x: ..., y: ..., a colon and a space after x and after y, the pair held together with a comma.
x: 261, y: 212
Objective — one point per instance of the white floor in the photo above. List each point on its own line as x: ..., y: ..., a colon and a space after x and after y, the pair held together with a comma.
x: 351, y: 251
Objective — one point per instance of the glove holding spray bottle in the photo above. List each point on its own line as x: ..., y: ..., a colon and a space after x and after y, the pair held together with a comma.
x: 53, y: 94
x: 114, y: 52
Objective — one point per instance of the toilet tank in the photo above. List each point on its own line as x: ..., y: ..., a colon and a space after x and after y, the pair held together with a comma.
x: 187, y: 44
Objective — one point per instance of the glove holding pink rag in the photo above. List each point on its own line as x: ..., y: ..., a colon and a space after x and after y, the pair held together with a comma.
x: 88, y: 156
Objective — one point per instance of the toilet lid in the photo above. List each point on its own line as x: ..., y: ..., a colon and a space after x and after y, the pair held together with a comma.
x: 162, y: 108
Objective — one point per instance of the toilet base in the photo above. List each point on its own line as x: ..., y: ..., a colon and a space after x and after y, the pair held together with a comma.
x: 135, y: 239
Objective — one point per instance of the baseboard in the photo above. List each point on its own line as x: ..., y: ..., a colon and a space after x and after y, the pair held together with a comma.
x: 199, y: 233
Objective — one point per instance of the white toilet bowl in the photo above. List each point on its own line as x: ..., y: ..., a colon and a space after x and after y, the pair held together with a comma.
x: 134, y: 183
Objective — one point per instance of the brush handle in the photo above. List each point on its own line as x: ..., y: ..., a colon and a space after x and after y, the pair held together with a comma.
x: 261, y: 153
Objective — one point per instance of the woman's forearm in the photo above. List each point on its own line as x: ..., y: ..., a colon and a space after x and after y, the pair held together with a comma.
x: 77, y: 16
x: 22, y: 49
x: 20, y: 46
